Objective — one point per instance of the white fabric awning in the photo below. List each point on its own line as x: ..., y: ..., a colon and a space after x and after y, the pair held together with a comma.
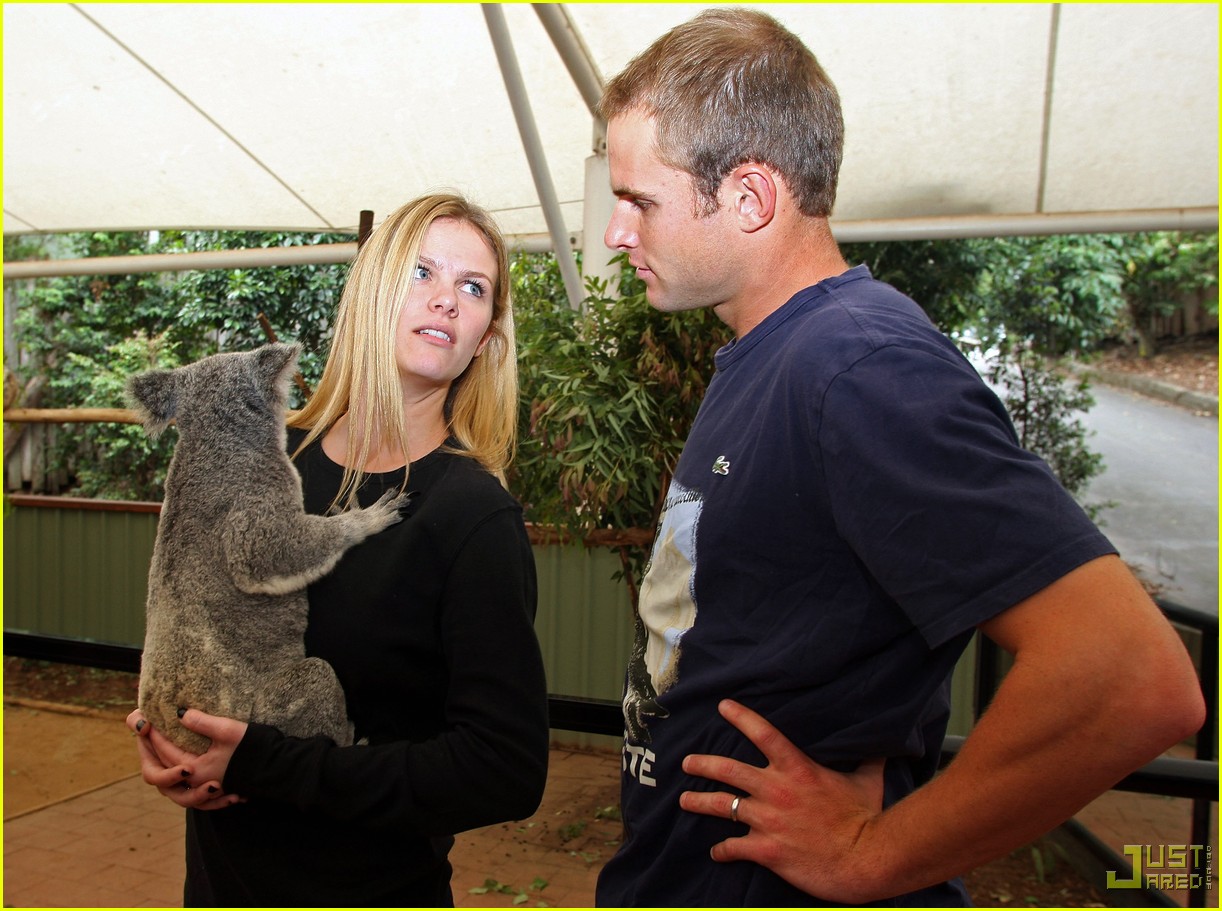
x: 298, y: 116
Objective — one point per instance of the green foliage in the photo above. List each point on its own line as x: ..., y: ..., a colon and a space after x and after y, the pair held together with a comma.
x: 298, y: 302
x: 126, y: 463
x: 1056, y: 295
x: 1046, y: 857
x: 83, y: 315
x: 85, y: 334
x: 573, y: 830
x: 940, y: 275
x: 1160, y: 269
x: 609, y: 393
x: 520, y: 896
x: 607, y: 398
x: 611, y: 811
x: 1044, y: 405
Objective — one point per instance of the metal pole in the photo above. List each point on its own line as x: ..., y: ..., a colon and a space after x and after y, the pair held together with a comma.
x: 365, y: 227
x: 255, y: 258
x: 317, y: 254
x: 573, y: 51
x: 988, y: 676
x: 1202, y: 810
x: 936, y: 228
x: 596, y: 213
x: 944, y: 227
x: 598, y: 201
x: 515, y: 87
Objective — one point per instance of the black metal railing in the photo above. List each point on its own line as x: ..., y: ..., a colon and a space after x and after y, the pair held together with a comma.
x: 1196, y: 779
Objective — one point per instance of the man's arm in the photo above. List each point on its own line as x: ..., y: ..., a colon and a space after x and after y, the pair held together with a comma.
x: 1100, y: 685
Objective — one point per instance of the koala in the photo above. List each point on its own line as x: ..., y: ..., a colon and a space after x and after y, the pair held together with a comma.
x: 235, y: 550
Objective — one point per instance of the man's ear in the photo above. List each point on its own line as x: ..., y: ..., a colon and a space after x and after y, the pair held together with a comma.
x: 753, y: 192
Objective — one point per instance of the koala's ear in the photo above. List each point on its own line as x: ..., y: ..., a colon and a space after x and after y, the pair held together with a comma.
x: 154, y: 397
x: 275, y: 363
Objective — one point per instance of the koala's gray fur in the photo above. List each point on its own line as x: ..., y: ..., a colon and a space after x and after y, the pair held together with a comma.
x: 235, y: 549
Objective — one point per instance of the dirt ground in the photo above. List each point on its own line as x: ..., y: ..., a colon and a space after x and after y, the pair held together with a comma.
x: 92, y: 757
x: 64, y: 763
x: 1190, y: 363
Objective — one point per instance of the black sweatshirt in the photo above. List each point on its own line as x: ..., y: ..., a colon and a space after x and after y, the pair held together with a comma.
x: 429, y: 628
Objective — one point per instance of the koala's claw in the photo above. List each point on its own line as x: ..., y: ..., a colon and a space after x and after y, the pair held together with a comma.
x: 395, y: 505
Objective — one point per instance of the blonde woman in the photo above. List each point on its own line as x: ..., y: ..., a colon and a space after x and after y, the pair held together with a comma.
x: 428, y: 624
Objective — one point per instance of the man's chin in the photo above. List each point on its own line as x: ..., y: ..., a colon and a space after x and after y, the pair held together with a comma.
x: 659, y: 302
x: 668, y: 304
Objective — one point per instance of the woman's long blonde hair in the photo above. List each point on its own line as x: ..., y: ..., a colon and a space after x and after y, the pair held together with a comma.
x: 361, y: 377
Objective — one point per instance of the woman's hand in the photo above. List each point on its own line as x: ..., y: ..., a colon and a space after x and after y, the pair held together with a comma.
x: 187, y: 779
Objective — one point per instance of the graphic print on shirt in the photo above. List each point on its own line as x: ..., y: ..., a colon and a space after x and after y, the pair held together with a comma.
x: 667, y: 611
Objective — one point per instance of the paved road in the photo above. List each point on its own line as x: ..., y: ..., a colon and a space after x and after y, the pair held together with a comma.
x: 1162, y: 472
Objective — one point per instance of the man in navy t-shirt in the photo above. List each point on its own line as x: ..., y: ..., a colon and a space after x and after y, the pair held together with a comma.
x: 851, y: 505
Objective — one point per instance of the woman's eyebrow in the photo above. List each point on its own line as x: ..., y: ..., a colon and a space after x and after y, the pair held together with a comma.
x: 464, y: 273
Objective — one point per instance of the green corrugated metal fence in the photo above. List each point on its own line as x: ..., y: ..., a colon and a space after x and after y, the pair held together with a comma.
x: 79, y: 570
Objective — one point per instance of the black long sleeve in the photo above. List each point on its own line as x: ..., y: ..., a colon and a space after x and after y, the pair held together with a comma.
x: 429, y: 626
x: 488, y: 764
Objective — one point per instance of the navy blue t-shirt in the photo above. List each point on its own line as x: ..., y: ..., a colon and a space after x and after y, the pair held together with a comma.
x: 851, y: 503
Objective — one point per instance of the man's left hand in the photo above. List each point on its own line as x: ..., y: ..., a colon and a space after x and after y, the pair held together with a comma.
x: 806, y: 823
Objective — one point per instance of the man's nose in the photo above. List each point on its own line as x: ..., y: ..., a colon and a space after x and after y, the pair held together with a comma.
x: 620, y: 234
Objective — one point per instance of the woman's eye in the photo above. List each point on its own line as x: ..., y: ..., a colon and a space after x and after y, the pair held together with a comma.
x: 421, y: 272
x: 474, y: 288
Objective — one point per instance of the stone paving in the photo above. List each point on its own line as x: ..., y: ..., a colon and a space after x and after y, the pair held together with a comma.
x: 119, y: 844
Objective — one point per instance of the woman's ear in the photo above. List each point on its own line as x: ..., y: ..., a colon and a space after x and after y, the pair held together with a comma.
x: 483, y: 343
x: 753, y: 195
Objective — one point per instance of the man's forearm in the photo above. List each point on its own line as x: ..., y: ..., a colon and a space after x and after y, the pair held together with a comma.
x: 1100, y: 686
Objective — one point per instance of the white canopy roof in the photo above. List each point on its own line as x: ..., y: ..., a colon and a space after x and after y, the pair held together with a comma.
x: 298, y: 116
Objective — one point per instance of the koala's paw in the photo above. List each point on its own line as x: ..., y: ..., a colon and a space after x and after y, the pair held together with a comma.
x: 389, y: 509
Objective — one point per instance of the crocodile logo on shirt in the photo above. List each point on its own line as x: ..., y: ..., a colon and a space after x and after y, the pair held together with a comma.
x: 721, y: 465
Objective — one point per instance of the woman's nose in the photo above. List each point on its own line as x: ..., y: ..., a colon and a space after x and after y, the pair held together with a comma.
x: 444, y: 301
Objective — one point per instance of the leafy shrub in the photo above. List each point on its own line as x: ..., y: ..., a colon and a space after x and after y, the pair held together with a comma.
x: 609, y: 393
x: 1160, y: 270
x: 120, y: 461
x: 85, y: 334
x: 607, y: 398
x: 1043, y: 405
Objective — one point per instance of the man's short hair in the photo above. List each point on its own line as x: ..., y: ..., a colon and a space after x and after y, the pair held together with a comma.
x: 734, y: 85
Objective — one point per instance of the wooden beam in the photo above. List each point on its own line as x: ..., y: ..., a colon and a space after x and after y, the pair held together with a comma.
x: 70, y: 416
